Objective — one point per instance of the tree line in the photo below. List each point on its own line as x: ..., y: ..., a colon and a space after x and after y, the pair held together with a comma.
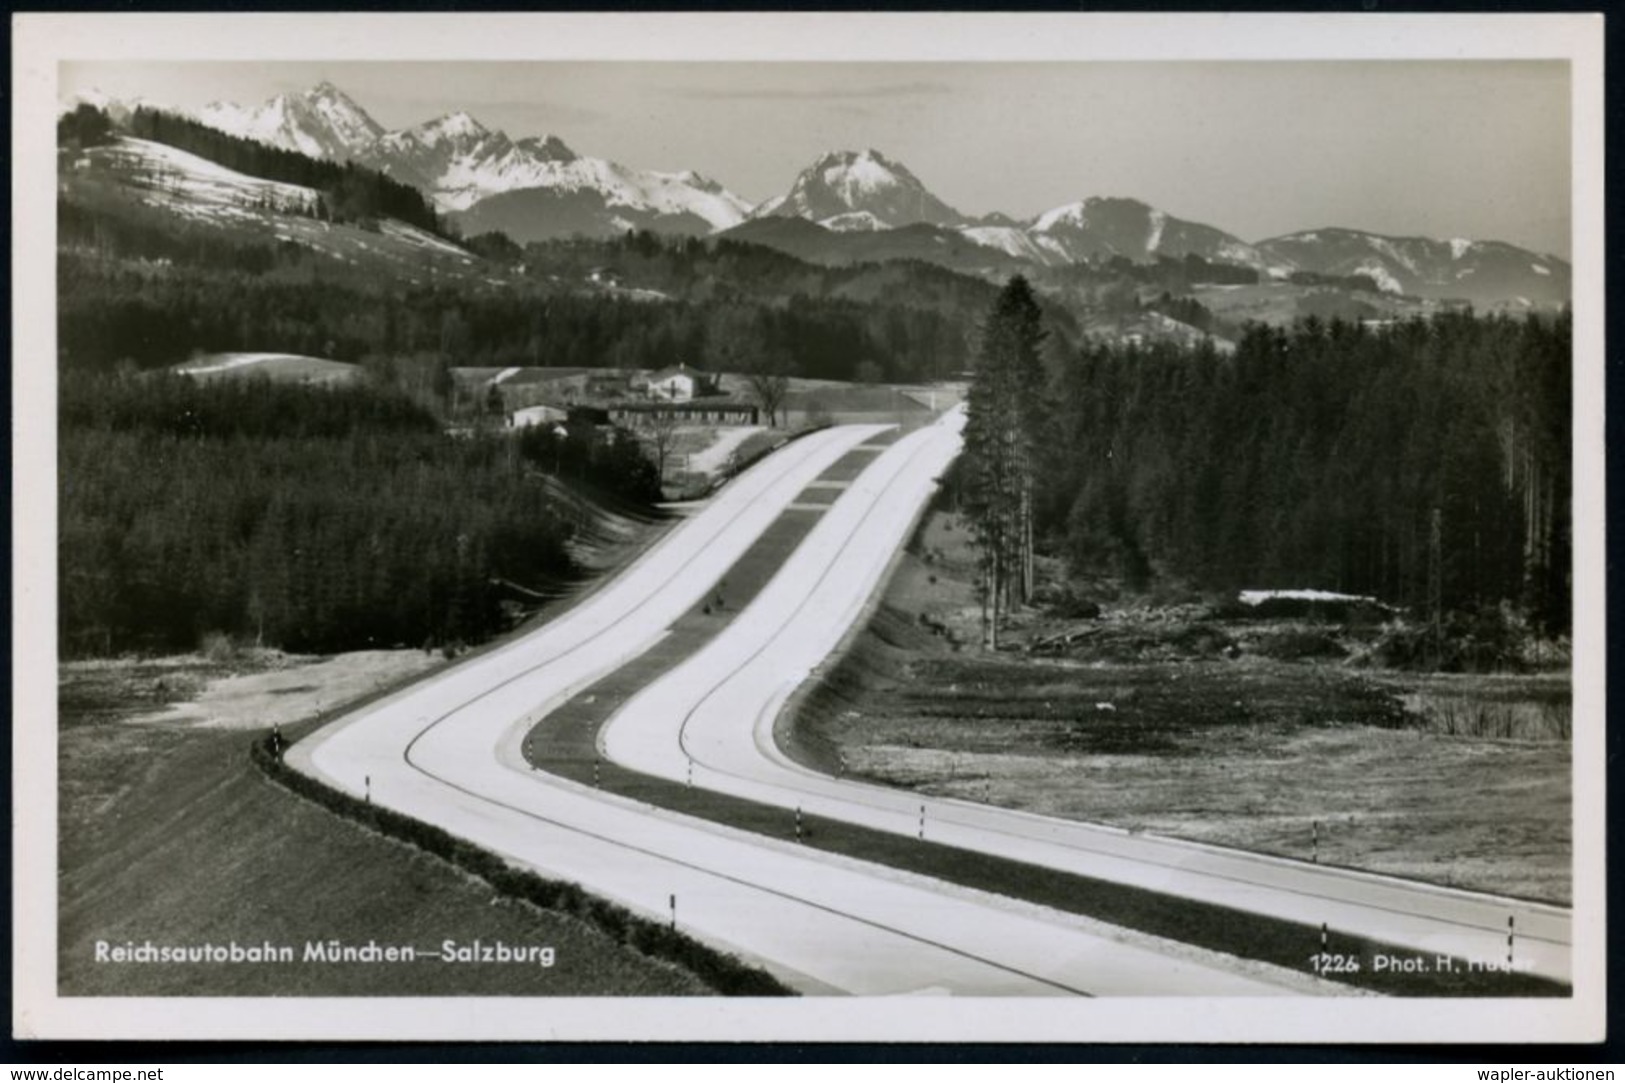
x: 1426, y: 462
x: 109, y: 311
x: 306, y: 518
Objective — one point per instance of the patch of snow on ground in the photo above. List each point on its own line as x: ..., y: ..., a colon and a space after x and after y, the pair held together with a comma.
x: 1389, y: 249
x: 1459, y: 247
x: 1538, y: 269
x: 505, y: 374
x: 1256, y: 597
x: 419, y: 237
x: 1158, y: 221
x: 640, y: 294
x: 1009, y: 240
x: 1246, y: 255
x: 1380, y: 275
x: 223, y: 362
x: 184, y: 177
x: 1072, y: 214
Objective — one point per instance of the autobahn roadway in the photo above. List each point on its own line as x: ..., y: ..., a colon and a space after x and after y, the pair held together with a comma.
x: 448, y: 751
x: 712, y: 719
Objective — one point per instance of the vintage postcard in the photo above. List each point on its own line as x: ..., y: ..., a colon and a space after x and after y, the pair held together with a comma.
x: 808, y: 527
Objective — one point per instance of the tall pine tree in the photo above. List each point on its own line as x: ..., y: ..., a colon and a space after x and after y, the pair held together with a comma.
x: 1004, y: 419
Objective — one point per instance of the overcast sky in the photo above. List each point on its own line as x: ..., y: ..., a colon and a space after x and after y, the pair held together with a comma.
x: 1476, y: 149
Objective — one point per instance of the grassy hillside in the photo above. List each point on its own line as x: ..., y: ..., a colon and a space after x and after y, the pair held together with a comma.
x: 168, y: 834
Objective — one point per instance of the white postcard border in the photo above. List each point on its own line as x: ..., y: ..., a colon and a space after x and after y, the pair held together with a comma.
x: 40, y: 41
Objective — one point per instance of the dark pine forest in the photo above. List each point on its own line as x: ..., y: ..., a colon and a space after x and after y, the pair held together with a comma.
x: 307, y: 518
x: 1426, y: 463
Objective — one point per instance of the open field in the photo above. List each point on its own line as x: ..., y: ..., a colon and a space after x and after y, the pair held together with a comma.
x: 169, y: 834
x: 1236, y: 733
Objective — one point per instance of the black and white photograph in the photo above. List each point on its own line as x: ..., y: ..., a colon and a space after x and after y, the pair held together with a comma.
x: 808, y: 527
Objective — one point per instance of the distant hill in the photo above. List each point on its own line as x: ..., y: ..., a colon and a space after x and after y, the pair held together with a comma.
x: 815, y: 243
x: 1100, y: 228
x: 1486, y: 273
x: 545, y: 214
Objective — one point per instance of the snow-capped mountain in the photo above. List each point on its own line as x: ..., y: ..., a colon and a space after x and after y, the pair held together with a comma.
x: 850, y: 190
x: 855, y: 205
x: 322, y: 122
x: 460, y: 163
x: 594, y: 197
x: 1100, y: 227
x: 1484, y: 272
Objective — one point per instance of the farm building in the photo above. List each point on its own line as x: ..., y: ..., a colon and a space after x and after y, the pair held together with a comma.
x: 680, y: 384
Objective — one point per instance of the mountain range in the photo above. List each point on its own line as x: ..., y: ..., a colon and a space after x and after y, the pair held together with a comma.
x: 850, y: 206
x: 533, y: 188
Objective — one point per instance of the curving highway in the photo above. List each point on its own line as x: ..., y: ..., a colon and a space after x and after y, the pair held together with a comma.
x: 449, y: 751
x: 711, y: 719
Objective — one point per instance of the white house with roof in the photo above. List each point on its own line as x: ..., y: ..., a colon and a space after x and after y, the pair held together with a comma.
x: 680, y: 384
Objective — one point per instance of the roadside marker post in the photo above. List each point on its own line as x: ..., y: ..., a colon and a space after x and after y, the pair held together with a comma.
x: 674, y: 913
x: 1509, y: 941
x: 595, y: 774
x: 691, y: 772
x: 369, y: 789
x: 1323, y: 938
x: 1314, y: 854
x: 798, y: 823
x: 922, y: 823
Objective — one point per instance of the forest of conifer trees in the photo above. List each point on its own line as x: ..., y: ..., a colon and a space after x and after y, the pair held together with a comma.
x: 108, y: 313
x: 306, y: 518
x: 1322, y: 456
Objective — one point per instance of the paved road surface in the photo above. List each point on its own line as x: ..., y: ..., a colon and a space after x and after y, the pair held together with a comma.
x: 717, y: 709
x: 448, y: 751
